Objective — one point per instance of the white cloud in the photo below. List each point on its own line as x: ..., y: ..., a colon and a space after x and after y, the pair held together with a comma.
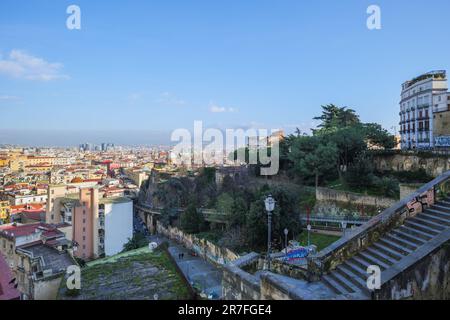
x: 168, y: 98
x: 21, y: 65
x: 9, y: 98
x: 214, y: 108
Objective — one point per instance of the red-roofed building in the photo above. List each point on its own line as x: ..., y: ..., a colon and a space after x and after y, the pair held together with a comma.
x: 38, y: 255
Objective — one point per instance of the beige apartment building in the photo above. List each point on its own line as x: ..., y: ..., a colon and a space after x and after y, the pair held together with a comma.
x: 99, y: 226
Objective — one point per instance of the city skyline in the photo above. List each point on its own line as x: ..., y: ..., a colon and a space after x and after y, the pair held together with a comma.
x: 149, y: 68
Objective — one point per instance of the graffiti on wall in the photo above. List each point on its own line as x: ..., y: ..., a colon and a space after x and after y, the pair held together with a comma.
x: 443, y: 141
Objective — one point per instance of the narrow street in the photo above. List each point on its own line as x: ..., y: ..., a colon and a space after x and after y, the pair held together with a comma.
x: 201, y: 274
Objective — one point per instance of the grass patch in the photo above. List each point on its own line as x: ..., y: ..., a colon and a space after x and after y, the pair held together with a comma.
x: 320, y: 240
x: 126, y: 271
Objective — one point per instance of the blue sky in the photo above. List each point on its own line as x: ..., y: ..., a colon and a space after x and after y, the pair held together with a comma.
x: 155, y: 66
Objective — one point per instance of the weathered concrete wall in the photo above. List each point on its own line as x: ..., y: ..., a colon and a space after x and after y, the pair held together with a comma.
x: 239, y: 285
x: 434, y: 166
x: 208, y: 250
x: 289, y: 270
x: 407, y: 189
x: 326, y: 194
x: 274, y: 290
x: 47, y: 290
x: 428, y: 279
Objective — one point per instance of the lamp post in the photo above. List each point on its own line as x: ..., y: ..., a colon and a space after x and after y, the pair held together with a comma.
x: 286, y: 231
x: 308, y: 227
x: 270, y: 206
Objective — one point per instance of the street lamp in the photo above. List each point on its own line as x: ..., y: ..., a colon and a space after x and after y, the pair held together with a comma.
x: 286, y: 231
x: 270, y: 206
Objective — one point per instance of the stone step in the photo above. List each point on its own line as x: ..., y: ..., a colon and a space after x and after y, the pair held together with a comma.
x: 401, y: 241
x: 375, y: 252
x: 334, y: 285
x: 437, y: 219
x: 353, y: 273
x: 373, y: 260
x: 445, y: 202
x: 344, y: 282
x: 418, y: 226
x: 416, y: 233
x: 407, y: 236
x: 396, y: 246
x: 432, y: 224
x: 441, y: 207
x: 356, y: 269
x: 352, y: 280
x: 388, y: 251
x: 361, y: 262
x: 437, y: 212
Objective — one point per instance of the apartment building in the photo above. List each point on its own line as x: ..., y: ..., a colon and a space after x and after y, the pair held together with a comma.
x: 38, y: 255
x: 5, y: 211
x: 425, y: 112
x: 100, y: 226
x: 19, y: 199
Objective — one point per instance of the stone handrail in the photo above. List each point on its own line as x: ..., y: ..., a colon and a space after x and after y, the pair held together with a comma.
x: 371, y: 231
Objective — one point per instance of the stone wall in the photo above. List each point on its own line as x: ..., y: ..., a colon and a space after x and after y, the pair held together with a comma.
x: 427, y: 279
x: 289, y: 270
x: 434, y: 166
x: 202, y: 247
x: 47, y: 290
x: 239, y: 285
x: 408, y: 188
x: 331, y: 195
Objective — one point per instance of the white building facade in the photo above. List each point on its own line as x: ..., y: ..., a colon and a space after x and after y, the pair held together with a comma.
x: 421, y: 99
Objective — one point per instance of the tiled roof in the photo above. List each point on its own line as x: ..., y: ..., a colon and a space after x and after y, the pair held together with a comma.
x: 15, y: 230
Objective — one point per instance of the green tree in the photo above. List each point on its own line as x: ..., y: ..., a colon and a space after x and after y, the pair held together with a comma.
x: 312, y: 157
x: 360, y: 172
x: 191, y: 220
x: 238, y: 212
x: 350, y: 142
x: 285, y: 215
x: 137, y: 241
x: 378, y: 137
x: 225, y: 203
x: 334, y: 117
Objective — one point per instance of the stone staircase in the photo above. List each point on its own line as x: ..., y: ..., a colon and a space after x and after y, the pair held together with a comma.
x: 349, y: 278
